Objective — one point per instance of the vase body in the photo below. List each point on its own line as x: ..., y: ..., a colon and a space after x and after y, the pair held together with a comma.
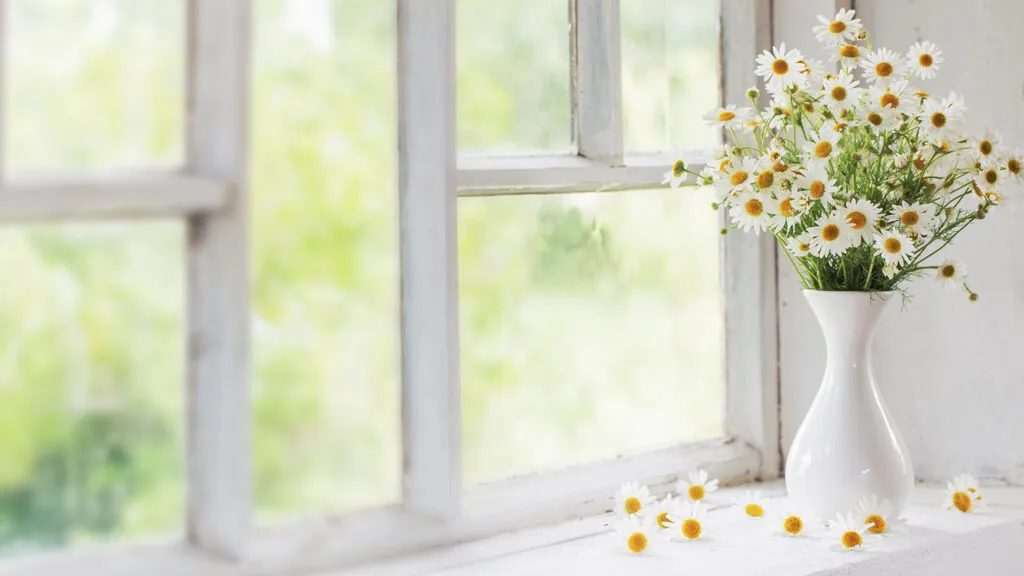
x: 848, y: 446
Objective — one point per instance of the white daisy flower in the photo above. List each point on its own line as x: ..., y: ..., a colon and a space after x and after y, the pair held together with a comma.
x: 952, y: 274
x: 728, y: 117
x: 955, y: 104
x: 988, y: 178
x: 841, y: 91
x: 780, y: 68
x: 924, y: 58
x: 814, y: 73
x: 794, y: 520
x: 889, y: 95
x: 738, y: 176
x: 939, y: 121
x: 822, y: 147
x: 818, y: 185
x: 766, y: 180
x: 1015, y: 167
x: 634, y: 534
x: 917, y: 218
x: 838, y: 30
x: 687, y: 524
x: 882, y: 119
x: 786, y: 210
x: 831, y: 236
x: 878, y: 515
x: 847, y: 55
x: 962, y: 494
x: 890, y: 270
x: 661, y: 511
x: 861, y: 216
x: 698, y: 486
x: 882, y: 66
x: 676, y: 175
x: 751, y: 504
x: 800, y: 246
x: 987, y: 148
x: 631, y: 499
x: 895, y: 248
x: 847, y: 532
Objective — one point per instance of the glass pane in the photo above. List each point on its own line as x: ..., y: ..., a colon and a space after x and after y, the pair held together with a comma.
x: 669, y: 73
x: 325, y: 290
x: 590, y: 326
x: 91, y: 357
x: 94, y: 84
x: 513, y: 75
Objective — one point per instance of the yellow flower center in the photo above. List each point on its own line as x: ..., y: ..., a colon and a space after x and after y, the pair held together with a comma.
x: 637, y: 542
x: 892, y: 245
x: 753, y: 208
x: 874, y: 118
x: 823, y: 149
x: 919, y: 162
x: 793, y: 525
x: 663, y: 521
x: 830, y: 233
x: 838, y: 93
x: 909, y: 218
x: 889, y: 99
x: 925, y: 60
x: 948, y: 271
x: 691, y: 528
x: 962, y: 501
x: 678, y: 168
x: 985, y: 147
x: 808, y: 107
x: 849, y: 51
x: 633, y: 505
x: 857, y: 220
x: 883, y: 69
x: 738, y: 177
x: 837, y: 27
x: 786, y: 208
x: 803, y: 247
x: 1013, y: 165
x: 852, y: 539
x: 765, y: 179
x: 780, y: 167
x: 817, y: 189
x: 696, y: 492
x: 780, y: 67
x: 991, y: 176
x: 724, y: 165
x: 921, y: 94
x: 877, y: 524
x: 726, y: 115
x: 754, y: 510
x: 938, y: 119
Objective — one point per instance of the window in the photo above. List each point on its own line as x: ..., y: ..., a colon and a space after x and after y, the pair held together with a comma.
x: 364, y: 266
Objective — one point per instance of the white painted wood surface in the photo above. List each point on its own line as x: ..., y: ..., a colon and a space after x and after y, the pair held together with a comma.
x: 503, y: 175
x: 431, y: 399
x: 748, y: 271
x: 219, y: 487
x: 597, y: 79
x: 155, y: 195
x: 948, y: 369
x: 933, y: 542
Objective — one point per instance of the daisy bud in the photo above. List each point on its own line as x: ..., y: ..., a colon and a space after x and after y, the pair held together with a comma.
x: 714, y: 205
x: 753, y: 94
x: 736, y: 151
x: 973, y: 296
x: 723, y: 231
x: 778, y: 142
x: 950, y: 212
x: 862, y: 35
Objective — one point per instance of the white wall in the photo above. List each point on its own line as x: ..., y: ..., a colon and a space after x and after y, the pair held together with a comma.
x: 951, y: 371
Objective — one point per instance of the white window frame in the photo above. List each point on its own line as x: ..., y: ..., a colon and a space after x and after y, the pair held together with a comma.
x: 211, y: 194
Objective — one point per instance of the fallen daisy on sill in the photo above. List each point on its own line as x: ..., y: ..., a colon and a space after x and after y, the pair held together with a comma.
x: 635, y: 535
x: 963, y: 495
x: 751, y: 504
x: 631, y: 499
x: 698, y: 487
x: 661, y: 511
x: 878, y: 515
x: 688, y: 522
x: 793, y: 521
x: 847, y: 533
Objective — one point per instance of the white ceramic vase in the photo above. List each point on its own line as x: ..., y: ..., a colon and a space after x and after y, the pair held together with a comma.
x: 848, y: 446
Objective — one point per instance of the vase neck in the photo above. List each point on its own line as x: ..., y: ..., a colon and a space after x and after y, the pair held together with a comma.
x: 848, y: 320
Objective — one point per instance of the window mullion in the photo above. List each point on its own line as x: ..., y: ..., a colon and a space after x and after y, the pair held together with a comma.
x: 218, y: 448
x: 431, y: 402
x: 597, y: 75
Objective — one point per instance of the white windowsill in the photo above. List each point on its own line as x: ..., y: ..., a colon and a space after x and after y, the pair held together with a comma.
x: 933, y: 542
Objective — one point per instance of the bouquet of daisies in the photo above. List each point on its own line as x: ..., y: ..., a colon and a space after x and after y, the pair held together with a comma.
x: 860, y: 175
